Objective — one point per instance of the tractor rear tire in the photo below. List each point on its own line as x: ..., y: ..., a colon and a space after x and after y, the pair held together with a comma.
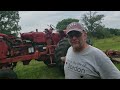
x: 61, y: 51
x: 7, y: 74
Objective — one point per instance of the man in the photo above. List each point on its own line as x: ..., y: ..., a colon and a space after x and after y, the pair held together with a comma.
x: 84, y: 61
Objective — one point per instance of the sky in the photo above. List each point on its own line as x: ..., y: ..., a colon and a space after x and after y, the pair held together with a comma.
x: 32, y: 20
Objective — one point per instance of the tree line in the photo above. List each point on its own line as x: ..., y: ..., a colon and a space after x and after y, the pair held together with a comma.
x: 93, y: 22
x: 9, y: 24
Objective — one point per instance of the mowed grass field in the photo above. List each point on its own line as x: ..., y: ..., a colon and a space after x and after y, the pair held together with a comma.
x: 38, y: 70
x: 109, y: 43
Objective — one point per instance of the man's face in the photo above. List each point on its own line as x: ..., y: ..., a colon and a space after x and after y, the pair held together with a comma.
x: 77, y: 40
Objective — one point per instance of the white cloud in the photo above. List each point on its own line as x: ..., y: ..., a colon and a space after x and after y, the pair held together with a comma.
x: 112, y: 19
x: 31, y: 20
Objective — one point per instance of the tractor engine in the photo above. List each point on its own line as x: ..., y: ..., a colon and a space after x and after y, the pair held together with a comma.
x: 36, y: 39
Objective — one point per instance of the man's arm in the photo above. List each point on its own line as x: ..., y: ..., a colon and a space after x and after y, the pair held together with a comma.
x: 63, y: 59
x: 106, y: 68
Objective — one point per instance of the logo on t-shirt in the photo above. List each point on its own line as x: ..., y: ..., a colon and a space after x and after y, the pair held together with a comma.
x: 76, y: 66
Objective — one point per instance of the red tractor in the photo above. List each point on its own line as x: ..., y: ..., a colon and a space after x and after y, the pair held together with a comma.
x: 38, y: 46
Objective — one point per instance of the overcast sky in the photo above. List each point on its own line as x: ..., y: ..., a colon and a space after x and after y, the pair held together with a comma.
x: 31, y: 20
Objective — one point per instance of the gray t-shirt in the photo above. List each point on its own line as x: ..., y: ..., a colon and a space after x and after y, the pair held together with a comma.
x: 91, y: 63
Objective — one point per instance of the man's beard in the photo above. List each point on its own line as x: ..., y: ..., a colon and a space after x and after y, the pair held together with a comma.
x: 78, y: 47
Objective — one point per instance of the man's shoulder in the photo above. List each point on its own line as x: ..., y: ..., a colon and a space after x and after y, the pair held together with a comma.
x: 70, y: 48
x: 96, y: 50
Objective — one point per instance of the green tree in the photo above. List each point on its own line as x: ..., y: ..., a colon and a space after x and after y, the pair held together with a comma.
x: 61, y: 25
x: 114, y: 31
x: 9, y: 22
x: 92, y: 21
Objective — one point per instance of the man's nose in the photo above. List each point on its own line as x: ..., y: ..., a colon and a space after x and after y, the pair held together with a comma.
x: 74, y: 37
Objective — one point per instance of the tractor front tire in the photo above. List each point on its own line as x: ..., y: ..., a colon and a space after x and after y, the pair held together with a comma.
x: 7, y: 74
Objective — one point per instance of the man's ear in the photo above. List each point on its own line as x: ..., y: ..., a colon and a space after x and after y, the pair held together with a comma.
x: 85, y: 34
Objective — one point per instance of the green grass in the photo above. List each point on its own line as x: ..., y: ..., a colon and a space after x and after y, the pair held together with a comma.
x: 38, y: 70
x: 109, y: 43
x: 117, y: 65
